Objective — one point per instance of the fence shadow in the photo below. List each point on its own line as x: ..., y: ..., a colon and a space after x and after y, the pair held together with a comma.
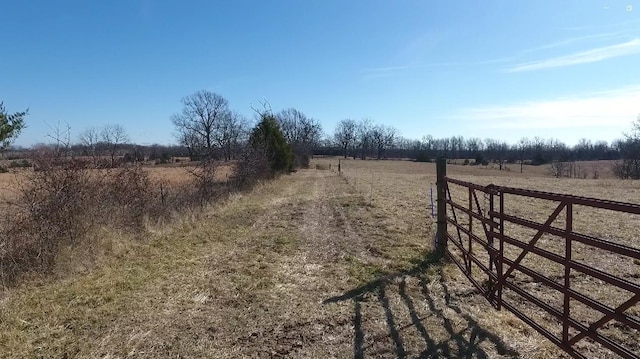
x: 456, y: 343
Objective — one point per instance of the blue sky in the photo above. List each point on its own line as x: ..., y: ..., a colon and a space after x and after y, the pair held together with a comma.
x: 500, y: 69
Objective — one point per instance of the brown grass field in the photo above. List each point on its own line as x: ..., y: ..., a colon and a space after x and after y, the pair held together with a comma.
x: 312, y: 265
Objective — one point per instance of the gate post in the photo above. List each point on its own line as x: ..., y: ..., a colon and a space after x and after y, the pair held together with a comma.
x: 441, y: 193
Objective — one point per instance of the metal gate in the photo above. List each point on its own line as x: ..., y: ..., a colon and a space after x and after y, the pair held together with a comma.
x: 476, y: 240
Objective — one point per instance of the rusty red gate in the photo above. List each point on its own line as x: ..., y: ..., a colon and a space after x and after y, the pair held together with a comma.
x: 481, y: 255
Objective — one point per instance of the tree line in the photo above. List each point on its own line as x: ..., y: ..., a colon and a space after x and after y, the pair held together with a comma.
x: 208, y: 129
x: 361, y: 139
x: 365, y: 139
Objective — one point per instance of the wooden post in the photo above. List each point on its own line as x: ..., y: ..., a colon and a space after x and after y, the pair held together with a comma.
x: 441, y: 193
x: 339, y: 167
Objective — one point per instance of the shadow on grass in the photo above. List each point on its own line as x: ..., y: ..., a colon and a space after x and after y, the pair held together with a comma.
x: 463, y: 343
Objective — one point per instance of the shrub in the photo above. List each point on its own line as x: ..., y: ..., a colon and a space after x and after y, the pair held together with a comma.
x: 61, y: 203
x: 56, y: 210
x: 252, y: 166
x: 129, y: 190
x: 204, y: 180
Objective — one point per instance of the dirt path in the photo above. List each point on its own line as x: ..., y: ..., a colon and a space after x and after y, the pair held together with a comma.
x: 336, y: 294
x: 301, y: 267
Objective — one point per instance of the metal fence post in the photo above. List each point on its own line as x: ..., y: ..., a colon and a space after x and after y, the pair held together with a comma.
x: 441, y: 192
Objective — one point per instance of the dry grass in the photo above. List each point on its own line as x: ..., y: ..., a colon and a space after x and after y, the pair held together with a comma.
x: 9, y: 186
x: 312, y: 265
x: 396, y: 183
x: 178, y: 175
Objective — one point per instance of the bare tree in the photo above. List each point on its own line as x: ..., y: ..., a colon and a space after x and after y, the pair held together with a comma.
x: 523, y: 145
x: 629, y: 165
x: 204, y: 116
x: 383, y: 137
x: 190, y: 141
x: 345, y: 135
x: 558, y: 168
x: 61, y: 139
x: 595, y: 169
x: 90, y: 138
x: 199, y: 122
x: 231, y: 131
x: 301, y: 133
x: 429, y: 146
x: 474, y: 145
x: 113, y: 136
x: 497, y: 151
x: 364, y: 138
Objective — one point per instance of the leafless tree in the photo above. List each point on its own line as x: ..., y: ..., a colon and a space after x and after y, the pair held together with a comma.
x: 364, y: 138
x: 523, y: 145
x: 345, y: 135
x: 581, y: 170
x: 190, y: 141
x: 198, y: 123
x: 90, y: 138
x: 429, y: 143
x: 231, y: 131
x: 558, y: 168
x: 113, y: 136
x: 301, y: 133
x: 595, y: 169
x: 474, y: 146
x: 497, y: 151
x: 629, y: 148
x: 383, y: 137
x: 61, y: 138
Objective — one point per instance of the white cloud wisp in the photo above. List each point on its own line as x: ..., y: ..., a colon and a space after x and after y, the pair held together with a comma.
x: 594, y: 55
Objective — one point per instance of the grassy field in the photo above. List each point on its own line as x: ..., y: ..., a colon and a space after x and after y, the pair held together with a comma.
x: 311, y: 265
x: 396, y: 184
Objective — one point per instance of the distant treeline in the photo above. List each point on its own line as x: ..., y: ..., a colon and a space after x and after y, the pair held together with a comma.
x: 363, y: 139
x: 357, y: 139
x: 127, y: 152
x: 534, y: 151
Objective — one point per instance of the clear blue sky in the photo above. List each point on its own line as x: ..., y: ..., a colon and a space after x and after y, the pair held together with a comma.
x: 501, y: 69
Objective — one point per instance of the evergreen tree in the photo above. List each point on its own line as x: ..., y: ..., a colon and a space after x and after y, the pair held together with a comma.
x: 10, y: 126
x: 267, y: 138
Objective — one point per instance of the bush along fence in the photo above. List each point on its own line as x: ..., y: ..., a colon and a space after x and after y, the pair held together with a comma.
x: 579, y: 291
